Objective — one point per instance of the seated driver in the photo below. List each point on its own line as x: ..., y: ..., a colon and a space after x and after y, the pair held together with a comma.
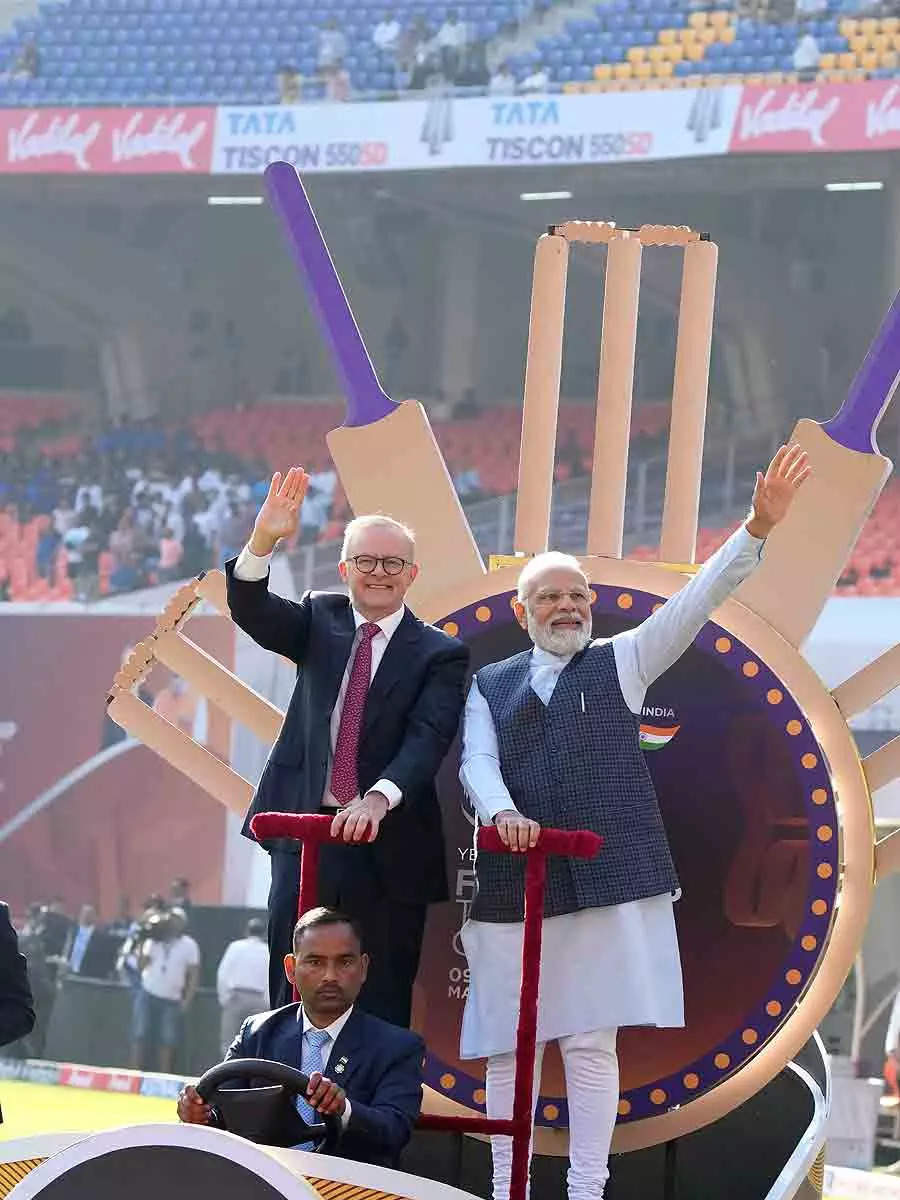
x: 361, y: 1069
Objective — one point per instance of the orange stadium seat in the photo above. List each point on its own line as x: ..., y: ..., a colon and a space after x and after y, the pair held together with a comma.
x: 694, y: 53
x: 720, y: 20
x: 888, y: 60
x: 869, y: 60
x: 890, y: 24
x: 643, y: 70
x: 869, y: 26
x: 698, y: 20
x: 858, y: 44
x: 667, y: 37
x: 637, y: 54
x: 827, y: 61
x: 727, y: 36
x: 847, y: 61
x: 880, y: 42
x: 603, y: 71
x: 622, y: 70
x: 848, y: 27
x: 664, y: 69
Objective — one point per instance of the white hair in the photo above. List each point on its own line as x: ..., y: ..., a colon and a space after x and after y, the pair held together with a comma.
x: 373, y: 520
x: 549, y: 561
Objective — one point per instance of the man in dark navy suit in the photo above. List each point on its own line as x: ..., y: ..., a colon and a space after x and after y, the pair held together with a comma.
x: 376, y: 705
x: 361, y: 1069
x: 16, y: 1004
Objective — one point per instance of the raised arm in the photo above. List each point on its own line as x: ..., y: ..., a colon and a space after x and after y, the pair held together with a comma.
x: 274, y: 623
x: 644, y: 653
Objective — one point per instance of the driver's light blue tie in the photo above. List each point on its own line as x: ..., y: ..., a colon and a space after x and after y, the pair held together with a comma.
x: 312, y: 1059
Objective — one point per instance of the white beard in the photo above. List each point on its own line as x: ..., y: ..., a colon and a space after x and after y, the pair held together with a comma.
x: 562, y: 642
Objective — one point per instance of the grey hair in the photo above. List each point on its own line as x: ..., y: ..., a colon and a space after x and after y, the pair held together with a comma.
x: 551, y: 559
x: 371, y: 520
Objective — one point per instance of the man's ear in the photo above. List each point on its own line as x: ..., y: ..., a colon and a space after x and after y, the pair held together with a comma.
x: 342, y: 570
x: 364, y: 958
x: 290, y: 968
x: 521, y: 616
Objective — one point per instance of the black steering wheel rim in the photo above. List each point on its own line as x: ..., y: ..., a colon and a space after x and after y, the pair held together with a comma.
x: 326, y: 1133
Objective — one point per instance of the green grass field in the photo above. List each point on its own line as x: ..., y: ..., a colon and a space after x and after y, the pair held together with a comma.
x: 30, y: 1108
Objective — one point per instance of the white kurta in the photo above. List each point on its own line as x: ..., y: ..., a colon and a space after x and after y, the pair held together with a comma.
x: 601, y: 968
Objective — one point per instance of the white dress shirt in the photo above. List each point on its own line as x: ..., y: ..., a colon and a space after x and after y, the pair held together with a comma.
x: 243, y: 967
x: 634, y: 944
x: 333, y: 1030
x: 252, y: 567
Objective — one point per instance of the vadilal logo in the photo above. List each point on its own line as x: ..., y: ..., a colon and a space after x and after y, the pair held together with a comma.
x: 658, y: 726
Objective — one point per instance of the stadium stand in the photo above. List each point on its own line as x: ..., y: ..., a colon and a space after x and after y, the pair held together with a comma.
x: 228, y: 51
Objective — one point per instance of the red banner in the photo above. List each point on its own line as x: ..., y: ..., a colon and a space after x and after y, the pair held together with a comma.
x: 815, y: 117
x: 107, y: 141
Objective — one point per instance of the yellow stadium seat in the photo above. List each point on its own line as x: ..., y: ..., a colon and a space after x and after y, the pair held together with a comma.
x: 869, y: 26
x: 603, y: 71
x: 880, y: 42
x: 675, y: 53
x: 694, y: 53
x: 888, y: 59
x: 848, y: 27
x: 890, y: 24
x: 859, y: 44
x: 667, y: 36
x: 719, y: 20
x: 708, y: 35
x: 895, y: 38
x: 869, y: 60
x: 687, y: 36
x: 637, y: 54
x: 643, y: 70
x: 837, y: 76
x: 623, y: 71
x: 847, y: 62
x: 571, y: 89
x: 662, y: 70
x: 827, y: 62
x: 728, y: 35
x: 657, y: 53
x: 697, y: 20
x: 754, y: 80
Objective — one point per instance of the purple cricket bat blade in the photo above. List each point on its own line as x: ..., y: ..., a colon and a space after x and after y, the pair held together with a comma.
x: 367, y: 400
x: 855, y: 424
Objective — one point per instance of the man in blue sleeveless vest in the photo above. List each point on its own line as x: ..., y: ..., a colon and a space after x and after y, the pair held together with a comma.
x: 551, y: 738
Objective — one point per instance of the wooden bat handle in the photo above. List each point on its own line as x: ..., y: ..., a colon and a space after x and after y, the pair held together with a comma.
x: 366, y: 399
x: 855, y: 424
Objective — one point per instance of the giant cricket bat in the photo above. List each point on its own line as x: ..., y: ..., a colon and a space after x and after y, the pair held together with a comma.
x: 385, y: 453
x: 804, y: 555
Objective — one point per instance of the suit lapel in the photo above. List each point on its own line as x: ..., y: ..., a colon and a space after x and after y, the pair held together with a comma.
x: 345, y: 1058
x: 394, y: 663
x: 343, y: 631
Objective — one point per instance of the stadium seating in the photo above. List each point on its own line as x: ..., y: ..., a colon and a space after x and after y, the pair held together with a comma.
x: 229, y: 51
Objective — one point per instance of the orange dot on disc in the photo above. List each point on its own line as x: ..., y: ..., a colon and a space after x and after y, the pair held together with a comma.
x: 691, y: 1081
x: 656, y: 606
x: 723, y: 645
x: 479, y: 1095
x: 551, y: 1112
x: 722, y: 1061
x: 482, y: 613
x: 793, y: 728
x: 750, y: 669
x: 451, y: 627
x: 657, y: 1096
x: 793, y: 976
x: 749, y: 1037
x: 774, y: 696
x: 773, y: 1008
x: 824, y: 833
x: 808, y: 942
x: 819, y: 908
x: 625, y: 600
x: 809, y: 761
x: 819, y: 796
x: 593, y: 596
x: 824, y: 870
x: 624, y: 1108
x: 448, y: 1080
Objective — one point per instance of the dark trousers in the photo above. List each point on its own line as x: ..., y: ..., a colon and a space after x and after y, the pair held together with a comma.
x: 392, y: 932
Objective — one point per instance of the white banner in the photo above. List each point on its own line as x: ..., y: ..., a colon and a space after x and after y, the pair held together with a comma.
x: 440, y: 131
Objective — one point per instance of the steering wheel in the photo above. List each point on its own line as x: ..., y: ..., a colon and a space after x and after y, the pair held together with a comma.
x: 265, y: 1111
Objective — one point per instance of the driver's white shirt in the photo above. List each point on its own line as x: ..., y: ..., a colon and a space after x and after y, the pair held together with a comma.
x: 333, y: 1030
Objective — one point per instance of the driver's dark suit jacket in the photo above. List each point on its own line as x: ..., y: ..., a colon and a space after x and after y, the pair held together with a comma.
x: 378, y: 1065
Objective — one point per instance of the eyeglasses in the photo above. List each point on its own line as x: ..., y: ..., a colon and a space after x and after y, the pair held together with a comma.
x: 577, y: 596
x: 366, y: 564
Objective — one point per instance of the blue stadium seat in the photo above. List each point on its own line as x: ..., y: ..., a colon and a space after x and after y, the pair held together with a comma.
x: 767, y: 63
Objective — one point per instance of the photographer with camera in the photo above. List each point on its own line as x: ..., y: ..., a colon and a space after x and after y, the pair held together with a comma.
x: 169, y: 966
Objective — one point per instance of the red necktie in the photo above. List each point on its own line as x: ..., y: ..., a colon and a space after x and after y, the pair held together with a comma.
x: 344, y: 780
